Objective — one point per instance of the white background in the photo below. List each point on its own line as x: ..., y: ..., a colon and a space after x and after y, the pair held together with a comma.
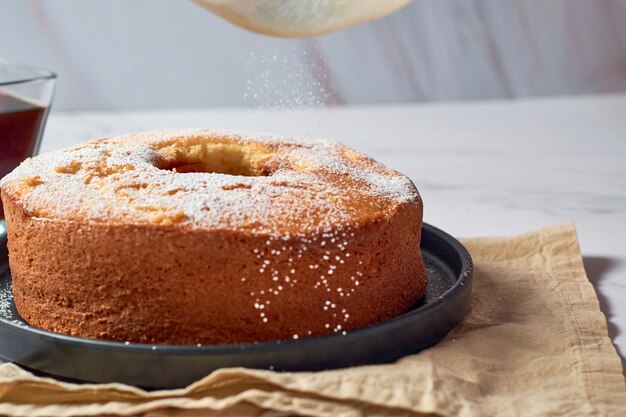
x: 122, y: 54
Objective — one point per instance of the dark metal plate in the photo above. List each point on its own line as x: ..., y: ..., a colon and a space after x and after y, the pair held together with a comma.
x: 444, y: 305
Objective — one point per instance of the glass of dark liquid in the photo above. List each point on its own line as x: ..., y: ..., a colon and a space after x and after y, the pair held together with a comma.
x: 25, y: 96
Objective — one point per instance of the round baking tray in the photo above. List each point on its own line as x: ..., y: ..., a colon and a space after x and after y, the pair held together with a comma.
x: 445, y: 303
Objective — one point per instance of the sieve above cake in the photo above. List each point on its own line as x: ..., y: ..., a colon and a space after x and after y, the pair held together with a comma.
x: 226, y: 237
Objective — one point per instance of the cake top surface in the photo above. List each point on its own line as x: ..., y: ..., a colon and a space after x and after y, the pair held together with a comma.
x: 209, y: 179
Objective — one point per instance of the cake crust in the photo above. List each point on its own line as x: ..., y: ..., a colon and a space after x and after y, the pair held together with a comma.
x: 186, y: 237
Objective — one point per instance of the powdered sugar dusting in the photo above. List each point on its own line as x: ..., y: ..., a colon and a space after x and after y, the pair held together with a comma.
x: 286, y: 79
x: 315, y: 187
x: 303, y: 202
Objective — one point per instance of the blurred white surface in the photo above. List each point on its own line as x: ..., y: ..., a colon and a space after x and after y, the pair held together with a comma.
x: 120, y: 54
x: 483, y: 168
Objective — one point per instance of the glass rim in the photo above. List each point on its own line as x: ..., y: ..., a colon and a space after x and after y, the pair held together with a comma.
x: 33, y: 73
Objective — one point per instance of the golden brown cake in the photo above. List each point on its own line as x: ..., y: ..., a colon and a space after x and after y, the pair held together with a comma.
x: 202, y: 236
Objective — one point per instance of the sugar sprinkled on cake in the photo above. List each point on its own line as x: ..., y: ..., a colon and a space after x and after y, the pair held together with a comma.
x: 118, y: 181
x: 306, y: 203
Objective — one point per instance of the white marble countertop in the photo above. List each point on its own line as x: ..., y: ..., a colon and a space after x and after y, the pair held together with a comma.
x: 483, y: 168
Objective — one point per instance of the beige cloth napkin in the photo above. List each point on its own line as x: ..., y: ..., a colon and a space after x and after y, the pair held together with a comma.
x: 534, y: 344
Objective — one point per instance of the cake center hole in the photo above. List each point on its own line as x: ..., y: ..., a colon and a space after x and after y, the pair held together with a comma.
x: 219, y: 158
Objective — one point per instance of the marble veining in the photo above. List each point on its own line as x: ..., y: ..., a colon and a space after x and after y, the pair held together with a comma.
x: 120, y: 54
